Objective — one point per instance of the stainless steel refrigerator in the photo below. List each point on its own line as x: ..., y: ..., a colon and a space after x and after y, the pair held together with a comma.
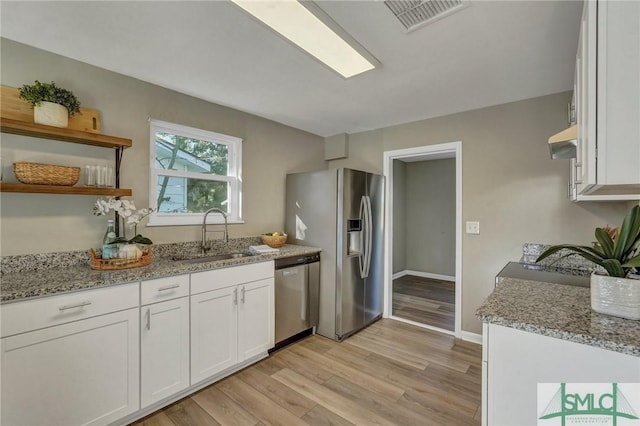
x: 341, y: 211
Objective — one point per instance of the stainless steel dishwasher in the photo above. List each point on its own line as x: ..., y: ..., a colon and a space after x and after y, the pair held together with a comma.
x: 297, y: 280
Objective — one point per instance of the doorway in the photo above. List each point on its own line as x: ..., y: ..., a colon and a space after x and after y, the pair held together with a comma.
x: 423, y: 239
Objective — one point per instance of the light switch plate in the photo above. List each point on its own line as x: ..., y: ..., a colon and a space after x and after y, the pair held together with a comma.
x: 473, y: 227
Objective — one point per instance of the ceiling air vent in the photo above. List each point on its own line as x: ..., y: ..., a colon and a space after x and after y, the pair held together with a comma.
x: 413, y: 14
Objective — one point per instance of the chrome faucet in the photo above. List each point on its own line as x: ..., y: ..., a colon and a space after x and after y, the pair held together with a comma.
x: 203, y: 244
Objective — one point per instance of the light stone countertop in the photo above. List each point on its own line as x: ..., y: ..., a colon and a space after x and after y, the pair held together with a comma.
x: 26, y: 284
x: 559, y: 311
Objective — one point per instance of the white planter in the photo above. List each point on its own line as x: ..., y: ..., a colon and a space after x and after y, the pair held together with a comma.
x: 619, y: 297
x: 51, y: 114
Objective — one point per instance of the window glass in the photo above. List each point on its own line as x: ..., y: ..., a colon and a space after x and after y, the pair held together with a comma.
x: 193, y: 171
x: 174, y: 152
x: 184, y: 195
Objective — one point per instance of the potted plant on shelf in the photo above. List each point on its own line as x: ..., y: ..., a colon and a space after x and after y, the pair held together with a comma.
x: 617, y: 292
x: 52, y: 105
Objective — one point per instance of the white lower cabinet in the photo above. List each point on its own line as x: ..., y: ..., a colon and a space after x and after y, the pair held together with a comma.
x: 164, y: 349
x: 214, y: 332
x: 114, y: 354
x: 234, y: 320
x: 80, y: 373
x: 255, y: 319
x: 516, y: 361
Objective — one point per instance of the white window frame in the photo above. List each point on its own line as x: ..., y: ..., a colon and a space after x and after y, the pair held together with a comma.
x: 233, y: 178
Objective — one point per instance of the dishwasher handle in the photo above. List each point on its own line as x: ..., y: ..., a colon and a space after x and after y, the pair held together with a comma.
x: 287, y: 262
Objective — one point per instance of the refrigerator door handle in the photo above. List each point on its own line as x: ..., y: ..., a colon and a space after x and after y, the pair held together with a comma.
x: 365, y: 236
x: 369, y: 236
x: 362, y: 258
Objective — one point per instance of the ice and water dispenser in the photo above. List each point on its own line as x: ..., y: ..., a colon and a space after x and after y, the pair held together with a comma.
x: 354, y: 237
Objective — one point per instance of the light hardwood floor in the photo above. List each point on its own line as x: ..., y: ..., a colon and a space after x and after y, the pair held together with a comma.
x: 391, y: 373
x: 425, y: 300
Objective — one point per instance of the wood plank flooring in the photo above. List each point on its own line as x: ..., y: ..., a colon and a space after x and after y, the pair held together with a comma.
x: 425, y: 300
x: 390, y: 373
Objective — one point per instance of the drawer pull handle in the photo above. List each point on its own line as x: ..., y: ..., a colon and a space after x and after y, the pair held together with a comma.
x: 169, y: 287
x: 77, y: 305
x: 242, y: 294
x: 148, y: 319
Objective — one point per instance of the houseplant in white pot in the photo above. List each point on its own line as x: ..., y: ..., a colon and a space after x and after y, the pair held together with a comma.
x: 52, y: 105
x: 617, y: 292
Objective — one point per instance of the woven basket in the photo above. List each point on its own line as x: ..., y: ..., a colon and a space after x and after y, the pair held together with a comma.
x: 46, y: 174
x: 274, y: 242
x: 97, y: 262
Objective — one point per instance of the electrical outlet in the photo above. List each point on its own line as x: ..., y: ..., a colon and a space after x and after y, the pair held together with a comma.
x: 473, y: 227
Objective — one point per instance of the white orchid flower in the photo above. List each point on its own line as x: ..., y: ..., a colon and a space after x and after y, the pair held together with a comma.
x: 126, y: 209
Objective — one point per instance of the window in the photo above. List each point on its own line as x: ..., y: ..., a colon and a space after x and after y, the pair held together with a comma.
x: 192, y: 171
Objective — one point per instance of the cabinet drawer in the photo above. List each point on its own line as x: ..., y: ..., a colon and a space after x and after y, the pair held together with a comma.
x: 226, y: 277
x: 161, y: 289
x: 20, y: 317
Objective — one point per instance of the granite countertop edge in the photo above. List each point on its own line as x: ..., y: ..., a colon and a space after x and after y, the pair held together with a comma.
x: 558, y: 311
x: 27, y: 285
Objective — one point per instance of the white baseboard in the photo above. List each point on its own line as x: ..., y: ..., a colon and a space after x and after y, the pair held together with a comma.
x: 399, y: 274
x: 421, y: 325
x: 423, y: 275
x: 471, y: 337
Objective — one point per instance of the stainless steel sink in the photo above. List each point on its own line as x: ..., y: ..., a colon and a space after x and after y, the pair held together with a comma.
x: 212, y: 258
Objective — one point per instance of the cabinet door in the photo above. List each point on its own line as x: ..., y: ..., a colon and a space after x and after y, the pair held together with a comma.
x: 164, y: 346
x: 618, y: 93
x: 518, y: 360
x: 585, y: 163
x: 85, y: 372
x: 214, y: 332
x: 256, y: 327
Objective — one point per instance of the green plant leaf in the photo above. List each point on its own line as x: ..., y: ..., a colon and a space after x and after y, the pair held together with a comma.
x: 628, y: 235
x: 118, y: 240
x: 588, y: 253
x: 632, y: 263
x: 614, y: 268
x: 605, y: 242
x: 139, y: 239
x: 38, y: 92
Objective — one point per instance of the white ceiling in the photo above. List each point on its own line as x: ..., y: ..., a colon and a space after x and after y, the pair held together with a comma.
x: 487, y: 54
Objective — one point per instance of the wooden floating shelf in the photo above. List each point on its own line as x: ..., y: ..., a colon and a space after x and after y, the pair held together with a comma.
x: 72, y: 190
x: 62, y: 134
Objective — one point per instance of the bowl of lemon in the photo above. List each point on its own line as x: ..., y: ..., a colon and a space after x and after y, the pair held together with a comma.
x: 274, y: 239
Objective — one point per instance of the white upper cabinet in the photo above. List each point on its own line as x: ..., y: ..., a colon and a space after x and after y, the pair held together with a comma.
x: 607, y: 88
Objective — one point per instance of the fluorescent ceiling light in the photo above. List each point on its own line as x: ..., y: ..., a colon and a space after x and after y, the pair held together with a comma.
x: 295, y: 22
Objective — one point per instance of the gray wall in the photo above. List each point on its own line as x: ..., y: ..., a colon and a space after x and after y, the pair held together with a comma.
x: 400, y: 216
x: 509, y: 184
x: 33, y: 223
x: 431, y: 216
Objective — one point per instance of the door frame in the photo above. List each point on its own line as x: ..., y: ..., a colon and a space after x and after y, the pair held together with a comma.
x: 422, y: 153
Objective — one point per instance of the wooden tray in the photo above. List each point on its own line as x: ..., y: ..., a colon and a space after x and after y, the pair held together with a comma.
x: 113, y: 264
x: 14, y: 108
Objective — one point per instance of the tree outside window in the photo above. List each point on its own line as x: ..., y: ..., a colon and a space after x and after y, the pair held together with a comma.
x: 194, y: 171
